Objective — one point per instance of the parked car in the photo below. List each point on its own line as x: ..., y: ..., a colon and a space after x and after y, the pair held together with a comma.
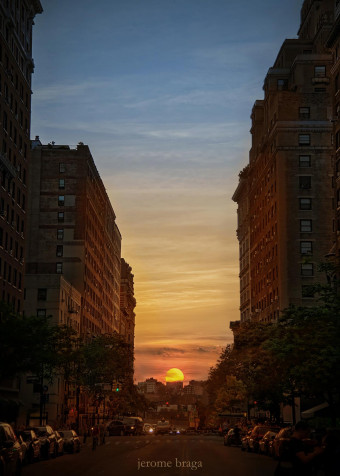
x: 24, y: 448
x: 60, y: 444
x: 163, y: 427
x: 266, y: 440
x: 276, y: 449
x: 10, y: 452
x: 256, y: 435
x: 33, y: 443
x: 244, y: 441
x: 233, y: 437
x: 48, y: 440
x: 71, y: 441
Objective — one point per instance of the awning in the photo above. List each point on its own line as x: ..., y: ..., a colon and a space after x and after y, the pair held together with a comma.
x: 310, y: 413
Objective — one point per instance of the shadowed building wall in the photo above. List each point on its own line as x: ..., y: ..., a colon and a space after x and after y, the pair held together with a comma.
x: 73, y: 232
x: 285, y: 196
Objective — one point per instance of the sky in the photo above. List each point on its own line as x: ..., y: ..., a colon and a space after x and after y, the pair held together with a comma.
x: 162, y: 92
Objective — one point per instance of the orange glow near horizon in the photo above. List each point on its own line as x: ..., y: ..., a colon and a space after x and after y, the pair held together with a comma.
x: 174, y: 375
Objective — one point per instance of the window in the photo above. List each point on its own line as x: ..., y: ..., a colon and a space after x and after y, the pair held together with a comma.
x: 61, y: 183
x: 306, y: 247
x: 41, y: 312
x: 42, y: 294
x: 304, y: 112
x: 337, y: 139
x: 320, y: 71
x: 61, y: 216
x: 62, y: 168
x: 305, y: 226
x: 282, y: 84
x: 307, y: 291
x: 305, y: 203
x: 305, y: 182
x: 307, y: 269
x: 59, y: 268
x: 61, y: 200
x: 304, y: 139
x: 60, y: 234
x: 304, y: 161
x: 60, y: 250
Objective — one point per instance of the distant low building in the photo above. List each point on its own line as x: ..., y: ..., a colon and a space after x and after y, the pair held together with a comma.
x: 194, y: 388
x: 150, y: 385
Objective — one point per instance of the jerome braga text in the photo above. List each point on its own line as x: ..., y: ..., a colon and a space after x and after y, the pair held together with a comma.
x: 141, y: 464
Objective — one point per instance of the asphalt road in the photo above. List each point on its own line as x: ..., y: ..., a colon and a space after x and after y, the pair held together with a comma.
x: 182, y: 455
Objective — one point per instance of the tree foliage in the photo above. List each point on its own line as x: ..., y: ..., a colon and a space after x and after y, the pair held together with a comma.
x: 298, y: 355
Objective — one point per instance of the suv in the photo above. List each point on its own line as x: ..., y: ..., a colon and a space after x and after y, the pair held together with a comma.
x: 10, y: 451
x: 48, y: 440
x: 163, y: 427
x: 134, y: 425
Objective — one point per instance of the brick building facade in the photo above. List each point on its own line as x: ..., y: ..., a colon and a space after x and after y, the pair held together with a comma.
x: 286, y: 193
x: 73, y: 233
x: 16, y: 68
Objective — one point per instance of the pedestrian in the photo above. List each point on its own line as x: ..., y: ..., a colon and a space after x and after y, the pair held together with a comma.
x: 95, y: 433
x: 86, y: 434
x: 102, y: 434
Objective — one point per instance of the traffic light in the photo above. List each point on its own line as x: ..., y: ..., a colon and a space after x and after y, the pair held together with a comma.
x: 117, y: 388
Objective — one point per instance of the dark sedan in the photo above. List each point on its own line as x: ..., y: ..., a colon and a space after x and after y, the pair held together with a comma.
x: 47, y: 439
x: 33, y: 445
x: 10, y: 451
x: 71, y: 441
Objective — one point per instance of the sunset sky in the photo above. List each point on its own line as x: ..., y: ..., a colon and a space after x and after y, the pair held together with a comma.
x: 162, y: 91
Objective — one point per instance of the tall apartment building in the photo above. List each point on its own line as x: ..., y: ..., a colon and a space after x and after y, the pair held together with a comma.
x: 73, y: 233
x: 127, y: 303
x: 16, y: 68
x: 285, y: 194
x: 73, y: 262
x: 333, y: 42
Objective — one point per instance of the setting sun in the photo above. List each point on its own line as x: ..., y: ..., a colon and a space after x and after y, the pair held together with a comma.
x: 174, y: 375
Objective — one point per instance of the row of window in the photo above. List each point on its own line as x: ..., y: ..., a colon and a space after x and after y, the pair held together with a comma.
x: 319, y: 72
x: 10, y: 274
x: 13, y: 219
x: 10, y: 245
x: 24, y: 39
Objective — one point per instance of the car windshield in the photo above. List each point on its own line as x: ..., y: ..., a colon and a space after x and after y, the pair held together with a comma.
x: 41, y: 431
x: 26, y: 436
x: 163, y: 423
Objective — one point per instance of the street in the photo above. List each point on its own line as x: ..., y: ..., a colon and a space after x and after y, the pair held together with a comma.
x: 156, y: 456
